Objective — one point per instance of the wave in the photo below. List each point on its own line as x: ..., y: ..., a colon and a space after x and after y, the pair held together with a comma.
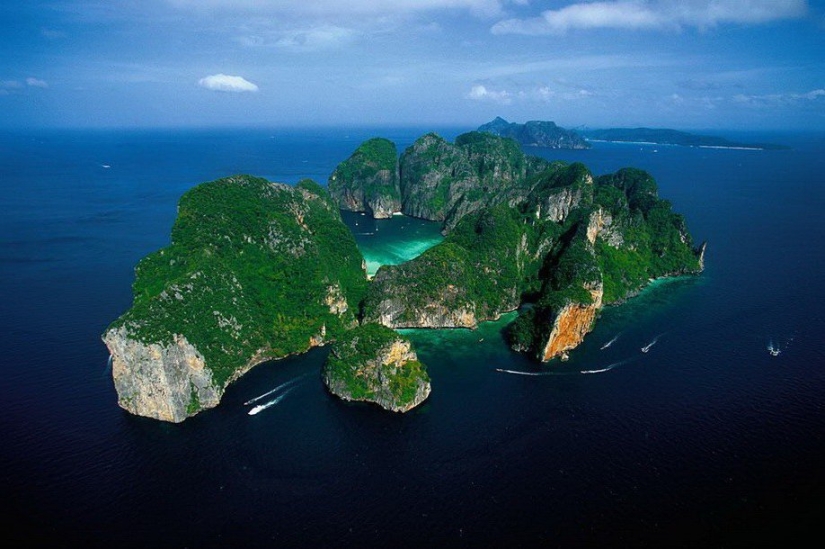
x: 611, y: 342
x: 273, y: 402
x: 275, y: 390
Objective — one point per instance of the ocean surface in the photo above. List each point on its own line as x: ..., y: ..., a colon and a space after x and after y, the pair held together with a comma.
x: 707, y: 439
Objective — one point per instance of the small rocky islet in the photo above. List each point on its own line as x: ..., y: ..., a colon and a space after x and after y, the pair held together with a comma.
x: 259, y: 270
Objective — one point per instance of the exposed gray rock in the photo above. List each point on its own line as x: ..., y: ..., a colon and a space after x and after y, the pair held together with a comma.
x: 165, y: 382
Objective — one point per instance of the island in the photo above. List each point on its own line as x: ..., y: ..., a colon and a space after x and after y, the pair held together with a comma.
x: 664, y: 136
x: 257, y: 271
x: 546, y: 238
x: 536, y: 133
x: 372, y: 363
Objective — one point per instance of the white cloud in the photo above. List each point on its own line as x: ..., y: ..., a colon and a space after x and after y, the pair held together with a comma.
x: 653, y: 14
x: 226, y: 83
x: 10, y: 85
x: 481, y: 93
x: 813, y: 94
x: 774, y: 99
x: 36, y: 83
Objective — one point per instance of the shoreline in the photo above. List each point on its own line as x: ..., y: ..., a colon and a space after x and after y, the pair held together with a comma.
x: 725, y: 147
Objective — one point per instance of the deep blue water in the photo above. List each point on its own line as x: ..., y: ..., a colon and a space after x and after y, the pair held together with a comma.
x: 706, y: 440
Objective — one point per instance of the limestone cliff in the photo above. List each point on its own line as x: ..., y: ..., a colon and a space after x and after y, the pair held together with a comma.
x: 368, y: 180
x: 570, y: 324
x: 476, y: 274
x: 375, y: 364
x: 536, y: 133
x: 256, y: 271
x: 435, y: 179
x: 161, y: 381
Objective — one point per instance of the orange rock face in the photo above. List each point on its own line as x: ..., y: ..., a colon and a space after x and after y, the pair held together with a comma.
x: 572, y: 323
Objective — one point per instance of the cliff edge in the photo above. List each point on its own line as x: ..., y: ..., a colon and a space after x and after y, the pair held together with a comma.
x: 375, y: 364
x: 255, y: 271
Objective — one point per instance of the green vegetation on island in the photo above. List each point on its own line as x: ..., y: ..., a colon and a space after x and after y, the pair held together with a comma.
x: 536, y: 133
x: 368, y: 180
x: 255, y: 270
x: 372, y: 363
x: 259, y: 270
x: 524, y: 231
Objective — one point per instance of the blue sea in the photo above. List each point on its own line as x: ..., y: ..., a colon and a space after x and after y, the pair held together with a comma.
x: 705, y: 440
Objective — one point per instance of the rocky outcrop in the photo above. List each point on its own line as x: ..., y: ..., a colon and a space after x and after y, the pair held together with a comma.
x: 435, y: 177
x: 255, y: 271
x: 476, y: 274
x: 555, y: 206
x: 167, y: 382
x: 600, y: 224
x: 700, y: 253
x: 437, y: 313
x: 396, y: 302
x: 536, y: 133
x: 375, y: 364
x: 569, y: 326
x: 368, y: 180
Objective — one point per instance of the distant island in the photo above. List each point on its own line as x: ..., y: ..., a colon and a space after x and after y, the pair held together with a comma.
x: 259, y: 270
x: 536, y: 133
x: 663, y: 136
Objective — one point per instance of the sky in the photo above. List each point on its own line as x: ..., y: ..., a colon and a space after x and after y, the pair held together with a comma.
x: 685, y: 64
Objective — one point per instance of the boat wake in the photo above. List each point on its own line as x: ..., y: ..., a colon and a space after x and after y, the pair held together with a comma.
x: 273, y: 402
x: 611, y: 342
x: 647, y: 347
x: 599, y: 371
x: 275, y: 390
x: 521, y: 373
x: 608, y: 367
x: 774, y: 350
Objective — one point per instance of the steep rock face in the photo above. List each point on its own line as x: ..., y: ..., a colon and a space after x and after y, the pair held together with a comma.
x: 450, y: 309
x: 435, y: 176
x: 569, y: 326
x: 536, y: 133
x: 375, y: 364
x: 256, y: 271
x: 368, y: 180
x: 557, y: 204
x: 423, y: 293
x: 476, y: 274
x: 436, y: 180
x: 161, y: 381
